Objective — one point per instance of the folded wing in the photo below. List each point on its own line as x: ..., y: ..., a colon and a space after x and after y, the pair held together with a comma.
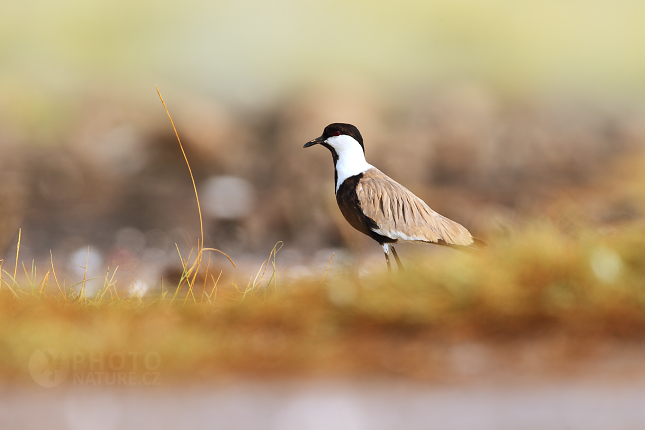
x: 402, y: 215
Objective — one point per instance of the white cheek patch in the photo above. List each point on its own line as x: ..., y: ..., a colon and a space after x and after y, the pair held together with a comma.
x: 351, y: 159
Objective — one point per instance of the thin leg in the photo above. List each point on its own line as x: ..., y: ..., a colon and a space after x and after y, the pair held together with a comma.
x: 398, y: 262
x: 386, y: 250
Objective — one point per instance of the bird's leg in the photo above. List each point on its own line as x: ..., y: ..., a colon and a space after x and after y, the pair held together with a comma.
x: 398, y: 262
x: 387, y: 259
x: 386, y: 250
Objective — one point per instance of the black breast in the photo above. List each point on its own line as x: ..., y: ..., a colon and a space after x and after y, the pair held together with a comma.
x: 350, y: 207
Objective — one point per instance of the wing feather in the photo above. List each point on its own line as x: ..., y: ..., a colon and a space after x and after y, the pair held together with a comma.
x: 402, y: 215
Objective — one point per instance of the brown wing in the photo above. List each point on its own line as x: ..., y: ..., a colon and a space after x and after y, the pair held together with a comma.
x: 402, y: 215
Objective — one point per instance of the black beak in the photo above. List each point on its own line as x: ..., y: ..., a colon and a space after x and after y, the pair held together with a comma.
x: 314, y: 142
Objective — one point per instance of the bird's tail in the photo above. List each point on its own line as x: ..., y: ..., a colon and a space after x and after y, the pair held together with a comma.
x: 476, y: 246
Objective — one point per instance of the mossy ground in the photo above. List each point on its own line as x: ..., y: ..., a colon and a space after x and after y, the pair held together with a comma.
x: 537, y: 283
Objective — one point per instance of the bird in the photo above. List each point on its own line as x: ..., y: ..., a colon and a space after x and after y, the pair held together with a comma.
x: 378, y: 206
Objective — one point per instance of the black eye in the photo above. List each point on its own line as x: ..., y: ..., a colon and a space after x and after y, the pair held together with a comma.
x: 337, y: 133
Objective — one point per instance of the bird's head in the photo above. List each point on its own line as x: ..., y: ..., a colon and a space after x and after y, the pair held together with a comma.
x: 339, y: 138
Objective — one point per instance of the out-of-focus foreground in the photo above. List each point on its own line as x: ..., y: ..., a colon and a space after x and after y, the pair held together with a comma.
x: 541, y: 291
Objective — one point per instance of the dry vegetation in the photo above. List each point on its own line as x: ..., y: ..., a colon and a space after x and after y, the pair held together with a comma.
x: 572, y: 287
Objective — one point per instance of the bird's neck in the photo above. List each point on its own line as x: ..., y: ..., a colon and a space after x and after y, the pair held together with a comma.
x: 350, y: 162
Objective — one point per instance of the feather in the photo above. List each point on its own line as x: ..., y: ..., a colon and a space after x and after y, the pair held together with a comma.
x: 400, y: 215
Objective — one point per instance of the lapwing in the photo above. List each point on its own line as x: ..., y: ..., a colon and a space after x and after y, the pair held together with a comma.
x: 380, y: 207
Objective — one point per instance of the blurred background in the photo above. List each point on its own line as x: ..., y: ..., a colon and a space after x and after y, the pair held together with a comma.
x: 487, y: 110
x: 493, y: 112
